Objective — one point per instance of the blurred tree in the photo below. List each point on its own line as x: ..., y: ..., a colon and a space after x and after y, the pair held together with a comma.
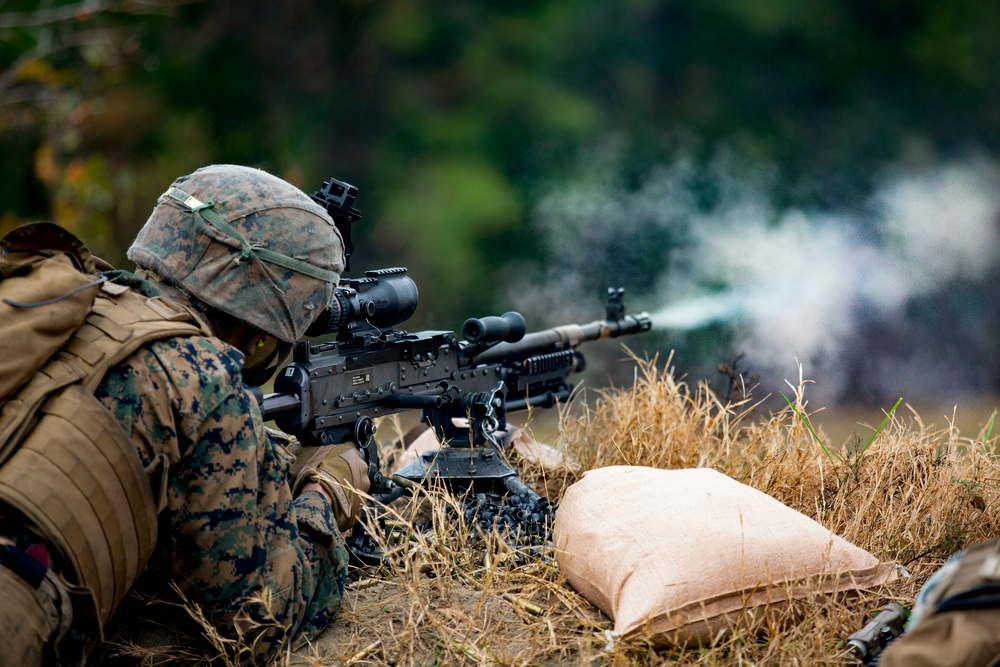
x: 58, y: 62
x: 456, y: 120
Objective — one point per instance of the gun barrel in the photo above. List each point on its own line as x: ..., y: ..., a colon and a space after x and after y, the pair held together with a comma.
x: 566, y: 336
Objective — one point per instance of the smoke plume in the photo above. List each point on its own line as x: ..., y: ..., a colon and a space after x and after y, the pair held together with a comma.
x: 795, y: 286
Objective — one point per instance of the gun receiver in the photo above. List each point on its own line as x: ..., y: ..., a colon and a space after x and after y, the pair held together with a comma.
x: 333, y: 391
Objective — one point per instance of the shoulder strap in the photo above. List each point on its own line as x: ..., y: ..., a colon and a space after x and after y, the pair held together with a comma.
x: 119, y: 323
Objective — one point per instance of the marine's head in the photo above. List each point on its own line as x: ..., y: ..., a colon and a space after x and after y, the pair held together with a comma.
x: 248, y: 244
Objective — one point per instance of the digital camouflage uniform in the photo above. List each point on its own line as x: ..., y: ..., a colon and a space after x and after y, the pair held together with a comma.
x: 240, y: 248
x: 259, y: 250
x: 232, y: 529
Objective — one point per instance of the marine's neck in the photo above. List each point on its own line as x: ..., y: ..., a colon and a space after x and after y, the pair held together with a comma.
x: 180, y: 296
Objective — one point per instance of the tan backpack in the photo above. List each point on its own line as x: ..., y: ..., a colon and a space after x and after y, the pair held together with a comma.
x: 68, y: 472
x: 47, y: 288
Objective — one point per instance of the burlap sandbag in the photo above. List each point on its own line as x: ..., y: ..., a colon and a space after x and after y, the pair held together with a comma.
x: 674, y: 556
x: 419, y: 440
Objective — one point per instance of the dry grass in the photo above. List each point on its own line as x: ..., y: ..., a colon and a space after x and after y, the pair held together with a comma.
x: 452, y: 597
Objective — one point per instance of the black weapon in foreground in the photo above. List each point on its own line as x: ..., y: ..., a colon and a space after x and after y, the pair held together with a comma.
x: 356, y: 366
x: 333, y: 391
x: 868, y: 643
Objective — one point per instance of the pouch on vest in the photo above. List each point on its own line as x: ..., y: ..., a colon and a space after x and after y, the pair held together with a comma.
x: 46, y: 291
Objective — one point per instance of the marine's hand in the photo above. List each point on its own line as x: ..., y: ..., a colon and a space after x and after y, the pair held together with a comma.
x: 342, y: 473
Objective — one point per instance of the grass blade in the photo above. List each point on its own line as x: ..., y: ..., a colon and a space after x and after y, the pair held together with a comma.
x: 986, y: 435
x: 885, y: 421
x: 805, y: 420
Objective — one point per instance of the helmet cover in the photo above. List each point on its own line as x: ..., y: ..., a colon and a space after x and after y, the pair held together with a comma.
x: 247, y: 243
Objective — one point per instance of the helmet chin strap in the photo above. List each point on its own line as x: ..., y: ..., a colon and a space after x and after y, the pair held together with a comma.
x: 262, y: 352
x: 268, y: 353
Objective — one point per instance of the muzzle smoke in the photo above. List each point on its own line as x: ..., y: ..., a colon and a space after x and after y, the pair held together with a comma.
x: 795, y: 286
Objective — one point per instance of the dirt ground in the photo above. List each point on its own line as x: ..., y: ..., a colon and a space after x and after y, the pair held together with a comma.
x: 373, y: 618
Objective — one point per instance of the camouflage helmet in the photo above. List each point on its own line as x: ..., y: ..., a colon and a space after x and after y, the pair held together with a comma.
x: 247, y: 243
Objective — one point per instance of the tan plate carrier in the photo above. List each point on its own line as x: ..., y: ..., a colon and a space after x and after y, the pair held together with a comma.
x: 68, y: 470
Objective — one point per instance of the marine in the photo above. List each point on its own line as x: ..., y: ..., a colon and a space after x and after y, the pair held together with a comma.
x: 135, y: 438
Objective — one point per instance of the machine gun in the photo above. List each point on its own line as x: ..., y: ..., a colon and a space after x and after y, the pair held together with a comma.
x: 356, y: 366
x: 334, y: 391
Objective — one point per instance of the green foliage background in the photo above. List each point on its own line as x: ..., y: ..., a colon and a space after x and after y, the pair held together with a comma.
x: 454, y: 119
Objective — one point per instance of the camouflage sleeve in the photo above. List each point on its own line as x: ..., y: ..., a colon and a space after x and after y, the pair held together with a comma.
x: 258, y: 562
